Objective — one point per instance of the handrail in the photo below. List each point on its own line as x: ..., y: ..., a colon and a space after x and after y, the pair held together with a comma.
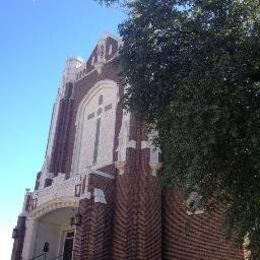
x: 37, y: 256
x: 56, y: 257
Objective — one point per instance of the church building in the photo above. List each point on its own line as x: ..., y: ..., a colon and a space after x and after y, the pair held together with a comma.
x: 98, y: 195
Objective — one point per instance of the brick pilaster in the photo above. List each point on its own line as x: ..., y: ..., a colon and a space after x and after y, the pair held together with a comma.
x: 18, y: 242
x: 93, y: 237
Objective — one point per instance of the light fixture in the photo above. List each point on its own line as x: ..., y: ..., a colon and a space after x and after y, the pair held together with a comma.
x: 76, y: 220
x: 46, y: 247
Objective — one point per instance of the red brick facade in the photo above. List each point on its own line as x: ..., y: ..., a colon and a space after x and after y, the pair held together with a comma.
x: 140, y: 220
x: 19, y: 239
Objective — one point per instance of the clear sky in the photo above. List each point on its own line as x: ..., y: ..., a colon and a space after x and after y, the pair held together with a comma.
x: 36, y: 37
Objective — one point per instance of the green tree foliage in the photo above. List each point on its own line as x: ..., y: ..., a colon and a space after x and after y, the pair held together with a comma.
x: 193, y: 68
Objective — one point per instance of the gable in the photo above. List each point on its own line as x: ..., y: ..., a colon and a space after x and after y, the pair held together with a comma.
x: 106, y: 49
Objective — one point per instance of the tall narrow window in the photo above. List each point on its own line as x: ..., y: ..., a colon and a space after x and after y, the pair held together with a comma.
x: 110, y: 49
x: 93, y: 60
x: 100, y: 100
x: 95, y: 154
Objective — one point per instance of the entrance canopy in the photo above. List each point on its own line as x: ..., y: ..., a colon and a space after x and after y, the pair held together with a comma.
x: 49, y: 230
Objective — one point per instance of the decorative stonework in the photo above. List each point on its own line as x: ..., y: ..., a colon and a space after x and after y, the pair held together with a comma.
x: 121, y: 167
x: 25, y: 203
x: 60, y: 188
x: 60, y: 191
x: 155, y: 168
x: 101, y: 54
x: 123, y: 138
x: 98, y: 60
x: 71, y: 69
x: 124, y: 142
x: 53, y: 205
x: 99, y: 196
x: 84, y: 154
x: 155, y: 151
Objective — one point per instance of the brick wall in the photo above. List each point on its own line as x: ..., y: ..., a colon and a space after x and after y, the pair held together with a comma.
x: 18, y: 242
x: 137, y: 218
x: 93, y: 237
x: 64, y: 121
x: 196, y: 237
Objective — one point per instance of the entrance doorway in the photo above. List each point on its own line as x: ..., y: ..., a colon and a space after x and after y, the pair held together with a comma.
x: 54, y: 229
x: 68, y: 246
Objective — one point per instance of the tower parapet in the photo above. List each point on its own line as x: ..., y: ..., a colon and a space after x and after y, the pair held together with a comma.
x: 71, y: 67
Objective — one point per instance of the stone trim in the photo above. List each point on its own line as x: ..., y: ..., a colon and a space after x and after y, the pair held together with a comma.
x: 155, y: 168
x: 99, y: 196
x: 103, y: 174
x: 25, y: 203
x: 95, y: 69
x: 80, y: 116
x: 145, y: 145
x: 121, y: 167
x: 53, y: 205
x: 86, y: 195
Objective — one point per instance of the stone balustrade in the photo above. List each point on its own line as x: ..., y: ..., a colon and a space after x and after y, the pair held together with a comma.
x: 60, y: 188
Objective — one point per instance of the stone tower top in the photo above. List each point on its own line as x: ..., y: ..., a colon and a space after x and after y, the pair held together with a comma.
x: 70, y: 69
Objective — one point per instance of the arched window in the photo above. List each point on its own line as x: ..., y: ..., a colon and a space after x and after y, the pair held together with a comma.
x: 95, y: 128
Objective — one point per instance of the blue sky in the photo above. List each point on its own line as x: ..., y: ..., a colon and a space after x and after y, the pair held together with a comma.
x: 36, y: 37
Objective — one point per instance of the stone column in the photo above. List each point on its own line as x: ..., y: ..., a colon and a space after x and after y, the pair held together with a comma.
x: 29, y: 239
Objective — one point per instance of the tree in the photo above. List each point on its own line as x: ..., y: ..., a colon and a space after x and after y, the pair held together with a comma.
x: 193, y: 67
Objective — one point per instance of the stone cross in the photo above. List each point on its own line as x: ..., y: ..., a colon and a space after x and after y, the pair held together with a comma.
x: 98, y: 115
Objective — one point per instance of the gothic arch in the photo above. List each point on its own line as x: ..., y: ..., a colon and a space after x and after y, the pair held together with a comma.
x: 101, y: 88
x: 53, y: 205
